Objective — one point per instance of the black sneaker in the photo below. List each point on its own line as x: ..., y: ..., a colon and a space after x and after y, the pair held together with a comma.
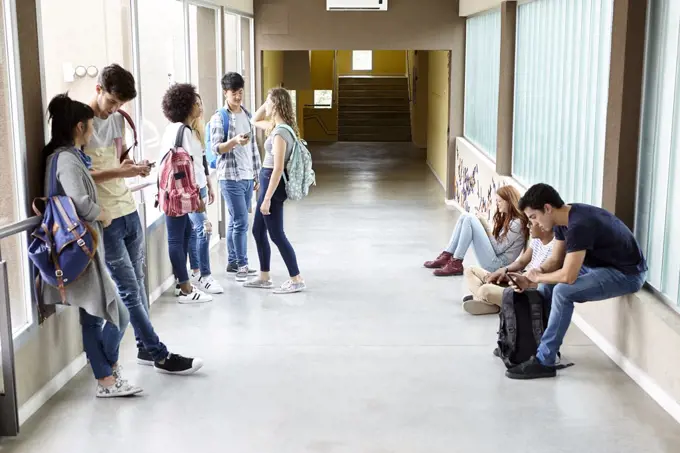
x: 531, y: 369
x: 176, y: 364
x: 144, y: 358
x: 232, y: 268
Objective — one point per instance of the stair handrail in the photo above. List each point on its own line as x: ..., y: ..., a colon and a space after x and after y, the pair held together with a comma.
x: 321, y: 123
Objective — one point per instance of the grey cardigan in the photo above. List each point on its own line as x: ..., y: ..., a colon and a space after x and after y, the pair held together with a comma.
x: 509, y: 248
x: 94, y: 291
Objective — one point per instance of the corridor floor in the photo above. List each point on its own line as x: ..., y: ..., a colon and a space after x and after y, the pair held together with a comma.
x: 377, y: 356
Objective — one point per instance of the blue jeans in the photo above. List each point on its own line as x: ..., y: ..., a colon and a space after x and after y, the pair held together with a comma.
x: 273, y: 224
x: 199, y: 243
x: 125, y: 253
x: 469, y: 231
x: 239, y: 197
x: 101, y: 341
x: 593, y: 284
x: 179, y: 233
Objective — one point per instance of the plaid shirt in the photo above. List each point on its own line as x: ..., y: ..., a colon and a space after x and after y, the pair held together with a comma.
x: 227, y: 167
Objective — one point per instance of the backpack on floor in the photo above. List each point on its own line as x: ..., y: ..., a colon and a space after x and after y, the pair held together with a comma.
x: 299, y: 175
x: 209, y: 155
x: 63, y: 245
x: 178, y: 192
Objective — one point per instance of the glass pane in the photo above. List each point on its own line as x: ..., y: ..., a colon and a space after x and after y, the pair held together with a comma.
x: 231, y: 37
x: 246, y: 62
x: 482, y: 72
x: 362, y: 60
x: 561, y: 88
x: 162, y: 53
x: 293, y: 97
x: 64, y: 51
x: 204, y: 64
x: 13, y: 249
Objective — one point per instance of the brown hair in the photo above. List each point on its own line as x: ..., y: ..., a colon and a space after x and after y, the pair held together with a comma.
x: 501, y: 220
x: 282, y: 105
x: 198, y: 124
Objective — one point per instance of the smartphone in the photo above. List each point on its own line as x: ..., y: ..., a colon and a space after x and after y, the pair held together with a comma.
x: 512, y: 280
x: 152, y: 164
x: 246, y: 135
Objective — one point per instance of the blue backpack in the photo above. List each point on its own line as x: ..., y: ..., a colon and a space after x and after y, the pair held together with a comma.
x: 63, y: 246
x: 209, y: 155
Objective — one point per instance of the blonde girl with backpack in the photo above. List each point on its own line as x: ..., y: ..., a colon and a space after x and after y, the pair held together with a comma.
x: 277, y: 118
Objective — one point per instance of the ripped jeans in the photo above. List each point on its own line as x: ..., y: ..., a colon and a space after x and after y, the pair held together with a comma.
x: 199, y: 242
x: 124, y: 253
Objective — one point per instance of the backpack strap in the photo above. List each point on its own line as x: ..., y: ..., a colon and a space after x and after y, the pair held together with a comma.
x: 509, y: 318
x: 180, y: 136
x: 119, y: 142
x: 536, y: 309
x: 52, y: 183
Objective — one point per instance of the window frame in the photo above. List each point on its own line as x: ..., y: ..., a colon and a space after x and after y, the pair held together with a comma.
x: 317, y: 105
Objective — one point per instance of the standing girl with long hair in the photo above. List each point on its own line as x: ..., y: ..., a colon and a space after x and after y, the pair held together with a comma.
x: 103, y: 315
x: 495, y: 247
x: 199, y: 242
x: 283, y: 134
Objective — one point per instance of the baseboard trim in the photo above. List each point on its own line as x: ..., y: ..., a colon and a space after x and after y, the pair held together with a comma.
x: 641, y: 378
x: 429, y: 164
x: 638, y: 376
x: 158, y: 292
x: 50, y: 389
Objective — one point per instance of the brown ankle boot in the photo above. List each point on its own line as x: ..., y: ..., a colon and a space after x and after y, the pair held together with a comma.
x: 440, y: 262
x: 452, y: 267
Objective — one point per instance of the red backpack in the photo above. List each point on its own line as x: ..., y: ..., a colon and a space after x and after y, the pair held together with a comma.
x: 178, y: 192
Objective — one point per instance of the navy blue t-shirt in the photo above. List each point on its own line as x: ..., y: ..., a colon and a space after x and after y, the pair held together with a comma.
x: 608, y: 242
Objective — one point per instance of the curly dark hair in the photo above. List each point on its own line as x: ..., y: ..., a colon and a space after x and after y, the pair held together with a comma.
x: 178, y: 102
x: 118, y: 81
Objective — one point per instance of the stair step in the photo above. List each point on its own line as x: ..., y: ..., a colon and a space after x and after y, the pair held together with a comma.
x: 387, y: 102
x: 362, y: 115
x: 382, y: 94
x: 373, y: 138
x: 349, y: 121
x: 373, y: 108
x: 344, y: 82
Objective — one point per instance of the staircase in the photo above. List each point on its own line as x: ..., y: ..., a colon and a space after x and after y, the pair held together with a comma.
x: 373, y: 109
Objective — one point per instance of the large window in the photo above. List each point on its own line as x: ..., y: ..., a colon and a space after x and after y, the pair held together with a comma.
x: 658, y: 219
x: 362, y: 60
x: 561, y: 89
x: 12, y: 249
x: 482, y: 72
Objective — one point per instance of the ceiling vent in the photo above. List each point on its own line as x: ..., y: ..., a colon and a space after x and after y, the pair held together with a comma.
x: 356, y: 5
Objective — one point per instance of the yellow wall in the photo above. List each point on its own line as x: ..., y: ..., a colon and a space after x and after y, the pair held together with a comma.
x: 320, y: 125
x: 385, y: 62
x: 438, y: 111
x: 417, y: 63
x: 272, y: 70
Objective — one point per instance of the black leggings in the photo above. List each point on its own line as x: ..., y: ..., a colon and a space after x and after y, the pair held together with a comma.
x: 272, y: 224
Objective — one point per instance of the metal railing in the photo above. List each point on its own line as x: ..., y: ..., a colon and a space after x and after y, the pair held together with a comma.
x: 9, y: 410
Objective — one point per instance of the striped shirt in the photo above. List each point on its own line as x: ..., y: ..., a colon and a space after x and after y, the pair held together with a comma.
x: 228, y: 164
x: 540, y: 253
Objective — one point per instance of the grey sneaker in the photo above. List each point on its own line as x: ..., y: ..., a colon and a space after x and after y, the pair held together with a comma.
x: 243, y: 273
x: 259, y: 283
x: 289, y: 287
x: 119, y: 389
x: 232, y: 268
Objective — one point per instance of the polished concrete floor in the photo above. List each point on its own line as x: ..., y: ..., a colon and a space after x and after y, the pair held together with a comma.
x: 377, y: 357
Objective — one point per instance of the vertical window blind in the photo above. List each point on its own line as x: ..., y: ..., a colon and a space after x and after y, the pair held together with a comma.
x: 482, y: 66
x: 561, y: 91
x: 658, y: 218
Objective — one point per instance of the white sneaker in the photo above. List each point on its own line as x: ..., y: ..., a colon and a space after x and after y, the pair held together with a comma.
x: 210, y: 285
x: 290, y: 287
x: 194, y: 297
x: 195, y: 278
x: 243, y: 273
x: 117, y: 390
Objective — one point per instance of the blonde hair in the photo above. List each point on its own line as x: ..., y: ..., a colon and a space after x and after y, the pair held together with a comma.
x: 282, y: 104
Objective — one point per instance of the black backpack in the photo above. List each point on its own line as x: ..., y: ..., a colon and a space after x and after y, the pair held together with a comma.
x: 523, y: 318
